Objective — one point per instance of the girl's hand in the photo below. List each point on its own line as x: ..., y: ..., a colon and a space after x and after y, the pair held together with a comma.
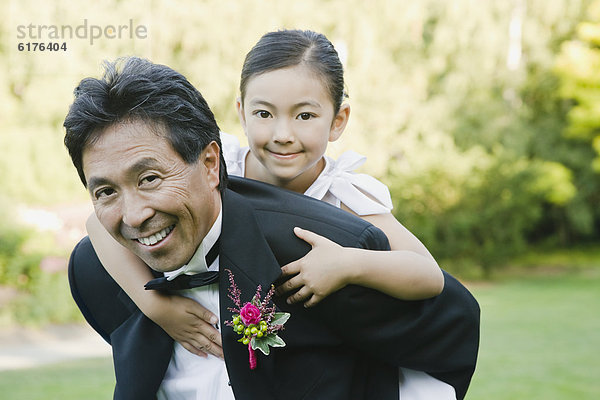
x: 316, y: 275
x: 188, y: 323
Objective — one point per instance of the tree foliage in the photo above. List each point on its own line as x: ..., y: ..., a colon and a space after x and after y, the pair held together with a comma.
x: 482, y: 123
x: 579, y: 66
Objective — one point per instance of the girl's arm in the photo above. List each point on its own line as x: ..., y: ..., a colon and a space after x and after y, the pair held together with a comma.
x: 183, y: 319
x: 407, y: 272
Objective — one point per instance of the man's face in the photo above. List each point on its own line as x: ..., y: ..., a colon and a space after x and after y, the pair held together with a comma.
x: 147, y: 197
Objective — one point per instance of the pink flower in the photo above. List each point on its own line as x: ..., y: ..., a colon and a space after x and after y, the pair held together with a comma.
x: 257, y: 322
x: 250, y: 314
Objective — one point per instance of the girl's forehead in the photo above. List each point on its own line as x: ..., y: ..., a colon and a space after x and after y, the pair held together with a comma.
x: 302, y: 70
x: 298, y: 78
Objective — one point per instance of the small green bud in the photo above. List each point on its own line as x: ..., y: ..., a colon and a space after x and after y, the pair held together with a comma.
x: 239, y: 328
x: 246, y: 341
x: 253, y: 330
x: 259, y: 334
x: 247, y: 332
x: 236, y: 320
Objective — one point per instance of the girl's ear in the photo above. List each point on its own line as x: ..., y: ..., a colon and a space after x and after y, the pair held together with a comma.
x: 240, y: 111
x: 339, y: 122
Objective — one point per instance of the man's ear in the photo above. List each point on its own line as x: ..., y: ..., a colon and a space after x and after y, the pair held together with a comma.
x: 240, y: 110
x: 211, y: 157
x: 339, y: 122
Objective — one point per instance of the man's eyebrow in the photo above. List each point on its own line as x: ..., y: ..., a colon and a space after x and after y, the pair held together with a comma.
x: 139, y: 166
x: 143, y: 164
x: 94, y: 182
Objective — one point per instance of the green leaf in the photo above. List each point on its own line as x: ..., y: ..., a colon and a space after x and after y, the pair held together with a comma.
x: 280, y: 318
x: 274, y: 340
x: 260, y: 344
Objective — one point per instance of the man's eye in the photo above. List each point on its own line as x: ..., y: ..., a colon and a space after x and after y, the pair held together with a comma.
x: 148, y: 179
x: 305, y: 116
x: 105, y: 192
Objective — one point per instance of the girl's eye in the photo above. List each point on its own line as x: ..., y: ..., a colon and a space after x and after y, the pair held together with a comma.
x: 263, y: 114
x: 104, y: 192
x: 304, y: 116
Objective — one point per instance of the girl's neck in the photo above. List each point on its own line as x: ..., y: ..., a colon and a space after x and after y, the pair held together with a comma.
x: 255, y: 170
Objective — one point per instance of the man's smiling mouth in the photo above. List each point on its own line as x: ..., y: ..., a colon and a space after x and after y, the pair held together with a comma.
x: 155, y: 238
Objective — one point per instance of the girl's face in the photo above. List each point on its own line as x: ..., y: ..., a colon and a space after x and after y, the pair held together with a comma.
x: 288, y: 117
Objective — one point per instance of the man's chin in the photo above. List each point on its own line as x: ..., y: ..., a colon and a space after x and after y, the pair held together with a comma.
x: 163, y: 269
x: 157, y: 265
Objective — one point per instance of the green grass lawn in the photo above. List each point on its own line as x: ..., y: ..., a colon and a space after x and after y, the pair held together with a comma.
x: 540, y: 339
x: 91, y: 379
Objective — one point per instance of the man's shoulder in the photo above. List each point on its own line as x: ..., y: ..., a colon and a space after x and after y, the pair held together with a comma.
x: 264, y: 197
x: 278, y: 211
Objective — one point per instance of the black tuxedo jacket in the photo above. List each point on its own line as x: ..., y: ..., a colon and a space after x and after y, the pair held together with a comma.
x: 347, y: 347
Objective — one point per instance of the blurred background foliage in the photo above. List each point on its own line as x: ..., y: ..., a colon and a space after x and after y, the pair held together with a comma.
x: 483, y: 117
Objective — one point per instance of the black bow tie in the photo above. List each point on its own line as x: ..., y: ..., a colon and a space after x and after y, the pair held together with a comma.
x: 189, y: 281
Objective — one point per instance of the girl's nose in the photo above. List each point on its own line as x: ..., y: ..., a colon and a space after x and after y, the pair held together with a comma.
x: 283, y: 133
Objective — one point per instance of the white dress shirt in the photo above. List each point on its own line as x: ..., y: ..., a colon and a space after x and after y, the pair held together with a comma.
x: 190, y: 377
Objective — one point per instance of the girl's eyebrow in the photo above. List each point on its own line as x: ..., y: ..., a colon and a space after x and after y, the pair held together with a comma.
x: 308, y: 103
x: 305, y: 103
x: 259, y: 102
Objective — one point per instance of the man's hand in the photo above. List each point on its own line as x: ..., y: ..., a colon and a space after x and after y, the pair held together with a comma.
x: 189, y: 324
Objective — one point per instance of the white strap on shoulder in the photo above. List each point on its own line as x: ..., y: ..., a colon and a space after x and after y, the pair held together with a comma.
x: 361, y: 193
x: 231, y: 148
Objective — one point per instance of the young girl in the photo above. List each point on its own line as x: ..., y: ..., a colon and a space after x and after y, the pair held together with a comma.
x: 291, y: 106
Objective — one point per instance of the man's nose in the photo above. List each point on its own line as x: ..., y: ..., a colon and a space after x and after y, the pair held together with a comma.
x: 136, y: 210
x: 283, y: 132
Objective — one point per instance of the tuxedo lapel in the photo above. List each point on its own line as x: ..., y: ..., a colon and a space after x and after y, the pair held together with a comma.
x: 141, y: 353
x: 244, y: 252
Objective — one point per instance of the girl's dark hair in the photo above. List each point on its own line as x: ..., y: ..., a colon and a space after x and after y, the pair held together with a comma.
x: 136, y: 89
x: 288, y: 48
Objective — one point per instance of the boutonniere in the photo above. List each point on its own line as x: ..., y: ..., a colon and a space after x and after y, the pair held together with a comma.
x: 256, y: 321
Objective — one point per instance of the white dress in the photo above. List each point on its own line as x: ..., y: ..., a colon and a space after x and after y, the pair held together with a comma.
x: 365, y: 195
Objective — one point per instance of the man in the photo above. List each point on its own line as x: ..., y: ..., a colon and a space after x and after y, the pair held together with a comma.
x: 146, y: 146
